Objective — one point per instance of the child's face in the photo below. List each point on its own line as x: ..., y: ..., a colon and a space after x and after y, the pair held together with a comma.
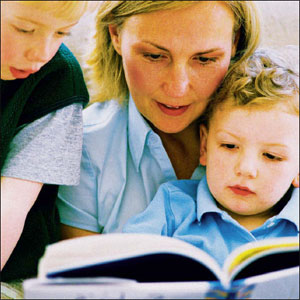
x: 29, y: 38
x: 252, y: 158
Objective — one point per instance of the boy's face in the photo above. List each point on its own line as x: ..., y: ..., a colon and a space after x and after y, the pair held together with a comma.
x: 30, y: 37
x: 252, y: 158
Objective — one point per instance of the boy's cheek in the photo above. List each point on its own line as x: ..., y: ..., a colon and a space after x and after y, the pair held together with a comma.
x: 9, y: 49
x: 296, y: 181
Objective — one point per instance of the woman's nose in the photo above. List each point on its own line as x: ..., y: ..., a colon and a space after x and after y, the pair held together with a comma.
x: 176, y: 83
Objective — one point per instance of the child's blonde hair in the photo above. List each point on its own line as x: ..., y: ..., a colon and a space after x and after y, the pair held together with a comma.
x: 107, y: 74
x: 264, y: 80
x: 64, y: 9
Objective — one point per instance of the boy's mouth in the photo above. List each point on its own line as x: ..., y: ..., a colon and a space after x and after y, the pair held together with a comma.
x: 21, y: 74
x: 241, y: 190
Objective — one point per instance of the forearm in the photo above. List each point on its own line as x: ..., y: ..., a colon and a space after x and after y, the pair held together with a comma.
x: 17, y: 198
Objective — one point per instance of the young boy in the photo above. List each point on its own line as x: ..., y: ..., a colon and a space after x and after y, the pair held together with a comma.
x: 42, y: 95
x: 250, y: 147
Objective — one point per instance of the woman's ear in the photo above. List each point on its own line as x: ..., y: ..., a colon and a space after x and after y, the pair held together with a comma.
x: 115, y: 37
x: 235, y: 43
x: 203, y: 144
x: 296, y: 181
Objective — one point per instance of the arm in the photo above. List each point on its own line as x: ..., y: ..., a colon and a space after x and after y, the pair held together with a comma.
x: 157, y: 218
x: 17, y: 197
x: 34, y: 167
x: 68, y: 232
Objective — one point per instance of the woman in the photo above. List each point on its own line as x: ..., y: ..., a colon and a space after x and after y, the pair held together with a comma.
x: 161, y: 60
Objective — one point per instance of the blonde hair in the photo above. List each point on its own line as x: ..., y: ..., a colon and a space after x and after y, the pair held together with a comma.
x: 64, y: 9
x: 107, y: 74
x: 264, y: 80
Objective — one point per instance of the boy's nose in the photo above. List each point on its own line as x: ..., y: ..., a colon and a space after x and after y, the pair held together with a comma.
x: 246, y: 166
x: 41, y: 52
x: 176, y: 83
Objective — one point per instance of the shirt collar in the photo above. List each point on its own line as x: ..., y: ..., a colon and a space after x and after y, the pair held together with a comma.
x: 205, y: 201
x: 291, y: 210
x: 138, y: 129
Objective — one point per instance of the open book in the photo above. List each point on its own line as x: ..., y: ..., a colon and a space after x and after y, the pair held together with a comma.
x: 130, y: 265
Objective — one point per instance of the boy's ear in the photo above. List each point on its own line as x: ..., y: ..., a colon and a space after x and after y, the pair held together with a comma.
x: 203, y: 145
x: 296, y: 181
x: 115, y: 37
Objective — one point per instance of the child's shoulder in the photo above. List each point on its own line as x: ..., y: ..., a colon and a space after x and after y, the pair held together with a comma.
x: 187, y: 187
x: 65, y: 59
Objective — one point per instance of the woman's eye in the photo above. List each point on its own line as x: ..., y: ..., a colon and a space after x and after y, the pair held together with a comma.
x: 272, y: 157
x: 205, y: 60
x: 152, y: 56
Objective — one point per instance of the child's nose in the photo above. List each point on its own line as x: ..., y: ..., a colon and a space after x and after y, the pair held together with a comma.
x: 41, y: 52
x: 246, y: 166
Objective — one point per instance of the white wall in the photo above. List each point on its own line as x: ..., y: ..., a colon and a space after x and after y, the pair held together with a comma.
x: 280, y: 26
x: 280, y: 22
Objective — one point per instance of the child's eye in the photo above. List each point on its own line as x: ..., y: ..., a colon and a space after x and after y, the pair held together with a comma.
x: 24, y: 30
x: 62, y: 33
x: 272, y: 157
x: 229, y: 146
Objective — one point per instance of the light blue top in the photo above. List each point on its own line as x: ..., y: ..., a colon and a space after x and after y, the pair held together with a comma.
x: 185, y: 209
x: 123, y: 163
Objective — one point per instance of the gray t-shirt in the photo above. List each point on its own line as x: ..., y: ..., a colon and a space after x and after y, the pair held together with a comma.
x: 49, y: 149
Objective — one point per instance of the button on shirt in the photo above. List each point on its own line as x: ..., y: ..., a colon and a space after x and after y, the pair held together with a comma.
x: 123, y: 164
x: 185, y: 209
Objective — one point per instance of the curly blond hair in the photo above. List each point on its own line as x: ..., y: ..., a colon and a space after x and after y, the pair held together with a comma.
x: 264, y: 80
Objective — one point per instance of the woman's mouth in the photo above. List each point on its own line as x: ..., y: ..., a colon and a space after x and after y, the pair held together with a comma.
x: 21, y: 74
x: 241, y: 190
x: 171, y: 110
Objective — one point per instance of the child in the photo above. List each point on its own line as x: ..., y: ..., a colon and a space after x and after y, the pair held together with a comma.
x: 250, y: 147
x: 42, y: 95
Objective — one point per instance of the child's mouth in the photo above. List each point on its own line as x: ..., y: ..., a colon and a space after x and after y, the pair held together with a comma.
x: 240, y: 190
x: 20, y: 74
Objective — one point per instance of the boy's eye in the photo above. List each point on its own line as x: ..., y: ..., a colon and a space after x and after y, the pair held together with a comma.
x: 62, y: 33
x: 229, y: 146
x: 272, y: 157
x: 24, y: 30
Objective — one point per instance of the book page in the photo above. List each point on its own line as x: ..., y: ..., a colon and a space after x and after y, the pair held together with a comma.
x: 86, y: 252
x: 282, y: 284
x: 248, y: 253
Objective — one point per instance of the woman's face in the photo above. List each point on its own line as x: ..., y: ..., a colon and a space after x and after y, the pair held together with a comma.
x: 174, y: 60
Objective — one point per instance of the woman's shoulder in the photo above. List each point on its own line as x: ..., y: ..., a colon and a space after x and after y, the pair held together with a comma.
x: 104, y: 129
x: 107, y: 114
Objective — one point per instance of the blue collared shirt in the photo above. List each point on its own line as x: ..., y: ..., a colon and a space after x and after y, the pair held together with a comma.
x: 123, y: 164
x: 185, y: 209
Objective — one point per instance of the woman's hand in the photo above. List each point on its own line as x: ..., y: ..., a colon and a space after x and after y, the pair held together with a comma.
x: 69, y: 232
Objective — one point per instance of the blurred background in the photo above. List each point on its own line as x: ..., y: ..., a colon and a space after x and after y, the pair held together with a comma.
x: 280, y: 27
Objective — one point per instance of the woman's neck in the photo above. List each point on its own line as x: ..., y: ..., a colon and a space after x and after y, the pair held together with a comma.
x: 183, y: 149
